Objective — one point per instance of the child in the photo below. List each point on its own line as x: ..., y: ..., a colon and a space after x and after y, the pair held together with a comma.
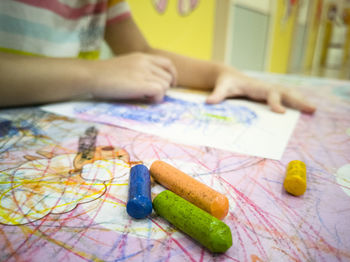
x: 57, y: 33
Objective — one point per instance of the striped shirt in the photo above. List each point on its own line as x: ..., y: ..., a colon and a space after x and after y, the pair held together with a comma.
x: 57, y: 28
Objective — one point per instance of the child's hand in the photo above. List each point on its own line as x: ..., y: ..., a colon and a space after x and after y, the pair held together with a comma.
x: 134, y: 76
x: 232, y: 84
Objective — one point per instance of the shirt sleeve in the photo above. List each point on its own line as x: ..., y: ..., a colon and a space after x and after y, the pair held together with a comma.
x: 117, y: 11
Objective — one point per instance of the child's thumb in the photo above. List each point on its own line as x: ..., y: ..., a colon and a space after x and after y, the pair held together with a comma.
x: 218, y: 95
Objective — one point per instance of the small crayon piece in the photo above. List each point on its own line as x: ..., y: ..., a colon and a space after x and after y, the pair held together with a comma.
x: 295, y: 180
x: 195, y: 222
x: 190, y: 189
x: 139, y: 203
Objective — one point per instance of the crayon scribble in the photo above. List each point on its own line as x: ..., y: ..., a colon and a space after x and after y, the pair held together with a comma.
x: 182, y: 112
x: 49, y: 183
x: 63, y: 188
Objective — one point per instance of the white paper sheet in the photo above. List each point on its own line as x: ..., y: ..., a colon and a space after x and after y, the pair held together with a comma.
x: 236, y: 125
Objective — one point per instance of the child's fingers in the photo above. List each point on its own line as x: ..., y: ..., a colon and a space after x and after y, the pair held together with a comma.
x: 274, y: 101
x: 154, y: 92
x: 162, y: 74
x: 296, y: 101
x: 157, y: 98
x: 218, y: 95
x: 154, y: 79
x: 167, y: 65
x: 224, y: 88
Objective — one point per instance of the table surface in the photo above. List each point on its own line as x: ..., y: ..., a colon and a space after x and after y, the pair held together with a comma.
x: 50, y: 210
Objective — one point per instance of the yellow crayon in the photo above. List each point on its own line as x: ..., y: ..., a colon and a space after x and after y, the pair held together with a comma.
x: 295, y: 180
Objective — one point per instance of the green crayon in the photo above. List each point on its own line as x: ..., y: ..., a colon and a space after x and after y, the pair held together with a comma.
x: 195, y: 222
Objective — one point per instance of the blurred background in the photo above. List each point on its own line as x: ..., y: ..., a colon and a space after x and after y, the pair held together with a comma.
x: 279, y: 36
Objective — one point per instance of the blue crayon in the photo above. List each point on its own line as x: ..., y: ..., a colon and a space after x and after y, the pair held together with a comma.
x: 139, y: 203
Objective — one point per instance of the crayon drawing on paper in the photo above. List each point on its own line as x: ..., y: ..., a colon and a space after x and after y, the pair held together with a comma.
x: 238, y: 126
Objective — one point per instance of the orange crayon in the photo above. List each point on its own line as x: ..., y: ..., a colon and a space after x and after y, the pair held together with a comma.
x: 190, y: 189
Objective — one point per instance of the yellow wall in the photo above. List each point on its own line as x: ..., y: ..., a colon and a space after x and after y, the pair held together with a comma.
x: 282, y: 38
x: 190, y: 35
x: 347, y: 41
x: 328, y: 28
x: 312, y: 37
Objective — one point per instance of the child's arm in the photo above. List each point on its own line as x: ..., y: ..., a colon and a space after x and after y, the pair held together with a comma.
x: 26, y: 80
x: 225, y: 81
x: 29, y: 80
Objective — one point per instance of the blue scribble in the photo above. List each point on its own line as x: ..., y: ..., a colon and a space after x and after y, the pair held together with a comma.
x: 175, y: 110
x: 11, y: 128
x: 7, y: 129
x: 12, y: 131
